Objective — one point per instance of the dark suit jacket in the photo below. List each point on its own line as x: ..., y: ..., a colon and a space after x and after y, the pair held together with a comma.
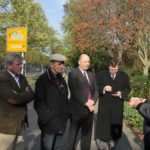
x: 12, y: 116
x: 79, y: 91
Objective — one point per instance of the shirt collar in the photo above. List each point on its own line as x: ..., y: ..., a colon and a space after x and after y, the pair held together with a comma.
x: 83, y: 71
x: 13, y: 75
x: 113, y: 75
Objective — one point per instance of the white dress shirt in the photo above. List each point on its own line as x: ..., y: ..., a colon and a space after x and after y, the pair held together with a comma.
x: 15, y: 77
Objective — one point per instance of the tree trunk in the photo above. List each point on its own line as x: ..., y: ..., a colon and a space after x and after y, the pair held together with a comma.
x: 145, y: 70
x: 42, y: 68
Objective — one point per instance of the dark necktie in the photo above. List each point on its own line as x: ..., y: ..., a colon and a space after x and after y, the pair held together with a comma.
x: 88, y: 86
x: 85, y: 78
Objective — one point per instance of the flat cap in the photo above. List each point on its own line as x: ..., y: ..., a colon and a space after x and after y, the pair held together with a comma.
x: 58, y: 57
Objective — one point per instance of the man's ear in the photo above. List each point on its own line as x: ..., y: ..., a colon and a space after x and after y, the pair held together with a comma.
x: 79, y: 62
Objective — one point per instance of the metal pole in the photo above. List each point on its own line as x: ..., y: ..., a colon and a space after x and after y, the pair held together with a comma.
x: 24, y: 64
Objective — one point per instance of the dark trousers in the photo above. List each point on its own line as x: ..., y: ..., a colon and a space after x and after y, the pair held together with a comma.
x: 84, y: 124
x: 147, y: 141
x: 54, y: 141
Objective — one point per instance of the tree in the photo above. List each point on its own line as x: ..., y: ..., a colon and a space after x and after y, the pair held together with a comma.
x: 84, y: 25
x: 27, y: 13
x: 131, y: 21
x: 121, y: 27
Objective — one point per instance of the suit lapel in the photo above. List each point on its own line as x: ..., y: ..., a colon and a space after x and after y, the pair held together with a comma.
x: 12, y: 80
x: 90, y: 78
x: 117, y: 76
x: 81, y: 76
x: 80, y: 73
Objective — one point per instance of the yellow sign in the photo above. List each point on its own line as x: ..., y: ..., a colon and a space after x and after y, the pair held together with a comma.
x: 17, y: 39
x: 16, y: 47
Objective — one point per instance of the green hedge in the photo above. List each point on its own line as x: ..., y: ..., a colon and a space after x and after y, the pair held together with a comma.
x: 140, y: 86
x: 133, y: 117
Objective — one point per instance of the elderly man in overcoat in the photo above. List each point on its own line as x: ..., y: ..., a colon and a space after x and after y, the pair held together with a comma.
x: 51, y: 104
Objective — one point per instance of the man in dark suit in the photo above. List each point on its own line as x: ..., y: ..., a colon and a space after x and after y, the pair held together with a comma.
x: 113, y: 88
x: 15, y: 93
x: 84, y: 94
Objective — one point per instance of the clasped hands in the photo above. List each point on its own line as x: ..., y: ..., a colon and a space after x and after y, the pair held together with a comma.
x: 90, y: 104
x: 108, y: 88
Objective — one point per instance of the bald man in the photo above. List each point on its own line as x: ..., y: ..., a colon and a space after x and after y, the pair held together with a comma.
x: 84, y: 93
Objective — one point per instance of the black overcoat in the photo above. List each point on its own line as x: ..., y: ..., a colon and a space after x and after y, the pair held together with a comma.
x: 51, y: 103
x: 110, y: 109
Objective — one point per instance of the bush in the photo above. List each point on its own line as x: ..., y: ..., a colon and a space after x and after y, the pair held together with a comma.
x: 133, y: 117
x: 140, y: 86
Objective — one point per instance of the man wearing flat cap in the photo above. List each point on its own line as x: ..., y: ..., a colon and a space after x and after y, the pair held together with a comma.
x: 58, y: 57
x: 51, y: 102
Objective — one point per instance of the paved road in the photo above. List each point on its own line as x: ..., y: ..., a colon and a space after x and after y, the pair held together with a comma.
x: 129, y: 140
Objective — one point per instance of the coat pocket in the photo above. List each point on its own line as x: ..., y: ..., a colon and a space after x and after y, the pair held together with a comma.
x: 44, y: 115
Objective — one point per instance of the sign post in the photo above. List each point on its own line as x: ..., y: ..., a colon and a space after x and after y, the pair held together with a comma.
x: 17, y: 41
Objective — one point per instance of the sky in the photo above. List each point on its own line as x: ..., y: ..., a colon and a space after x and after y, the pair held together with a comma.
x: 54, y: 12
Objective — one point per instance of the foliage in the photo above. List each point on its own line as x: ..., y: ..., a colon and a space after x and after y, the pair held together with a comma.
x: 133, y: 117
x: 73, y: 58
x: 32, y: 80
x: 82, y: 22
x: 98, y: 59
x: 140, y: 86
x: 36, y: 57
x: 120, y: 27
x: 131, y: 25
x: 27, y: 13
x: 30, y: 14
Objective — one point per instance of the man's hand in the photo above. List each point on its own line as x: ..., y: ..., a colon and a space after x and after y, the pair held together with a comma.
x: 12, y: 101
x: 134, y: 101
x: 117, y: 94
x: 91, y: 108
x: 90, y: 104
x: 107, y: 88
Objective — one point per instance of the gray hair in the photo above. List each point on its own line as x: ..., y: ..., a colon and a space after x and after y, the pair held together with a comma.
x: 10, y: 59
